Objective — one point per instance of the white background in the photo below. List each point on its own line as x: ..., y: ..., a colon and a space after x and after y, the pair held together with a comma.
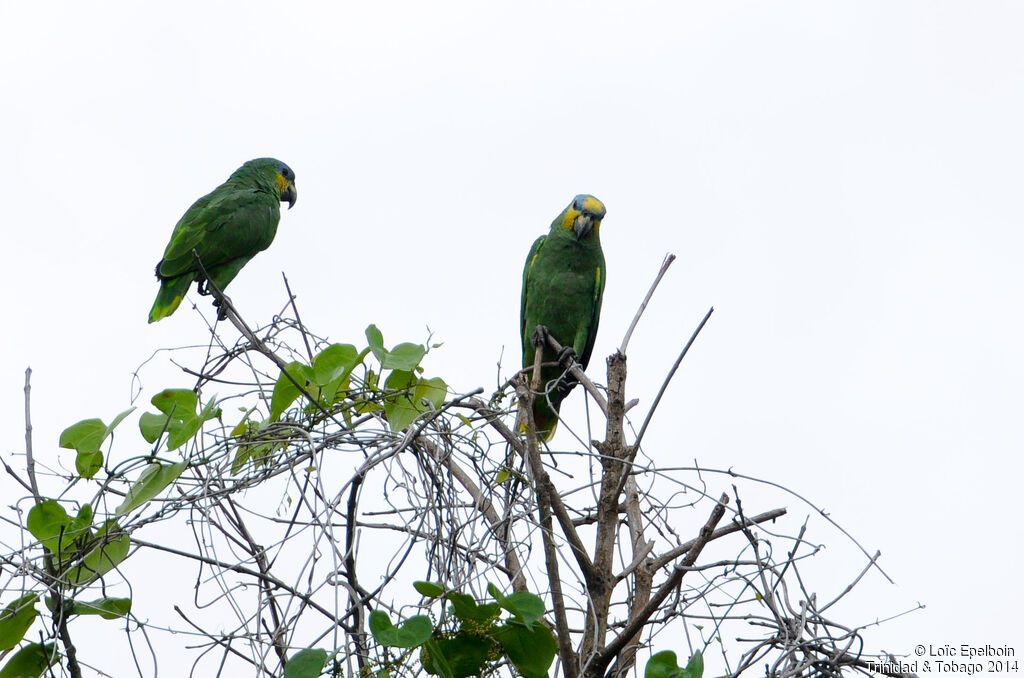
x: 841, y: 181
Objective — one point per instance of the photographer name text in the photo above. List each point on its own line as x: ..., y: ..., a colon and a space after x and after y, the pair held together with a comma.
x: 964, y: 659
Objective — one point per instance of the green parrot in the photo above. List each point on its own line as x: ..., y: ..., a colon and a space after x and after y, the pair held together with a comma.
x: 563, y: 282
x: 226, y: 228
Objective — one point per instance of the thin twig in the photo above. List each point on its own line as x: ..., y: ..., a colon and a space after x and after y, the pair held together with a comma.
x: 666, y: 558
x: 232, y: 314
x: 643, y: 579
x: 56, y: 602
x: 30, y: 462
x: 666, y: 262
x: 671, y: 373
x: 295, y: 310
x: 670, y: 584
x: 544, y: 490
x: 218, y: 641
x: 544, y: 484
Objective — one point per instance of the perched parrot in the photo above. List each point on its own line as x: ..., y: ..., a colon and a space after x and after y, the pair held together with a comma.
x: 563, y: 282
x: 226, y: 228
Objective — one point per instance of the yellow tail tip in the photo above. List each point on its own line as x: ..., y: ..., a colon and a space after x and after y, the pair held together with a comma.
x: 160, y: 312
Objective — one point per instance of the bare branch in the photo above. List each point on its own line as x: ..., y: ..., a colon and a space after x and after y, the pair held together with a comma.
x: 30, y: 461
x: 659, y: 596
x: 669, y: 258
x: 668, y: 378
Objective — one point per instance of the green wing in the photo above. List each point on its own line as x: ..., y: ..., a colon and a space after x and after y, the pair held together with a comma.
x: 188, y: 234
x: 595, y: 315
x: 251, y: 220
x: 531, y: 259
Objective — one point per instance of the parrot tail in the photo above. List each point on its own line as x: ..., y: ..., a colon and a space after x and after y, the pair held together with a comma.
x: 172, y: 291
x: 546, y: 405
x: 546, y: 419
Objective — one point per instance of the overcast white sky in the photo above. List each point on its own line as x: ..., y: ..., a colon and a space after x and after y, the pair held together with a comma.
x: 840, y: 180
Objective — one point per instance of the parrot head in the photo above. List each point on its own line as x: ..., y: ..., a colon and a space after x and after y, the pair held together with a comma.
x: 583, y: 216
x: 271, y: 169
x: 285, y: 181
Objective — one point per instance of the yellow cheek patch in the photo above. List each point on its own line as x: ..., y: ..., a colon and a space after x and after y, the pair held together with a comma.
x: 282, y: 184
x: 570, y: 218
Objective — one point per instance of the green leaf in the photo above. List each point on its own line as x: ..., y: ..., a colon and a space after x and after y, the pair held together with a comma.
x: 59, y: 533
x: 246, y: 424
x: 334, y: 362
x: 398, y: 404
x: 376, y: 341
x: 242, y: 454
x: 211, y: 411
x: 460, y: 656
x: 30, y: 661
x: 285, y: 391
x: 118, y: 419
x: 257, y: 453
x: 105, y: 553
x: 180, y: 432
x: 414, y: 632
x: 307, y: 663
x: 178, y: 418
x: 15, y: 620
x: 495, y: 592
x: 152, y: 425
x: 466, y: 609
x: 108, y: 608
x: 152, y: 481
x: 85, y: 436
x: 79, y: 526
x: 405, y: 357
x: 362, y: 406
x: 429, y: 589
x: 526, y: 607
x: 46, y: 521
x: 694, y: 667
x: 432, y: 390
x: 434, y: 661
x: 405, y: 397
x: 531, y: 650
x: 176, y: 402
x: 88, y: 463
x: 663, y: 665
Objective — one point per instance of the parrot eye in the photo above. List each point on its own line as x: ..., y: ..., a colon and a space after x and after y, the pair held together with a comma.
x: 287, y: 173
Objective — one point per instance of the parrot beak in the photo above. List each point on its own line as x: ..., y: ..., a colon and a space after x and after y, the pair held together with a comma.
x: 582, y: 226
x: 291, y: 195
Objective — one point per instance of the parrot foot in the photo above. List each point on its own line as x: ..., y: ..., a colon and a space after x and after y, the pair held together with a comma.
x: 539, y: 338
x: 222, y: 308
x: 222, y: 311
x: 567, y: 356
x: 202, y: 287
